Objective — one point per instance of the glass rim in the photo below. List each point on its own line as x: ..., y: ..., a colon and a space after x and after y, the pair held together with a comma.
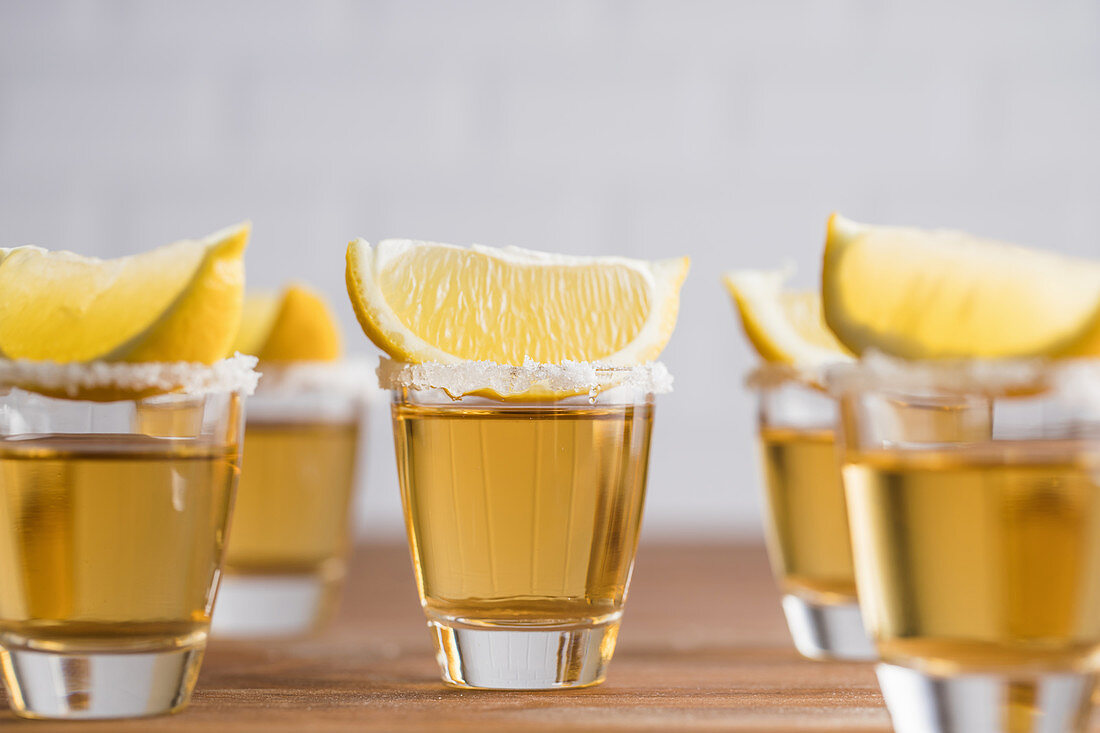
x: 350, y: 376
x: 233, y: 374
x: 508, y: 380
x: 977, y: 376
x: 772, y: 374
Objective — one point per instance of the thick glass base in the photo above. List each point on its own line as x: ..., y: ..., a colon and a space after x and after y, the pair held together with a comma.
x: 251, y: 606
x: 827, y: 631
x: 99, y: 685
x: 496, y: 657
x: 985, y: 703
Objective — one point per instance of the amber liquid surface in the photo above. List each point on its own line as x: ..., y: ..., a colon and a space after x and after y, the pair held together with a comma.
x: 979, y: 558
x: 523, y: 516
x: 110, y: 541
x: 292, y: 506
x: 808, y: 522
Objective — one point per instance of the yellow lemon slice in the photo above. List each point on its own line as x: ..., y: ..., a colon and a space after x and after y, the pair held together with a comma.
x: 296, y: 325
x: 180, y: 302
x: 940, y: 294
x: 422, y: 301
x: 784, y: 326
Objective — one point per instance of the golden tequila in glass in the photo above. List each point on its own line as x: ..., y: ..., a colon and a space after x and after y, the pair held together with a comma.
x: 292, y: 506
x: 978, y: 555
x: 289, y: 540
x: 806, y: 515
x: 113, y: 520
x: 110, y: 539
x: 981, y: 559
x: 809, y: 519
x: 523, y: 520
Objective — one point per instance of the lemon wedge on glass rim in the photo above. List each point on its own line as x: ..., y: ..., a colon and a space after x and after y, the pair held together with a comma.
x: 177, y: 303
x: 784, y: 326
x: 430, y: 302
x: 922, y: 294
x: 294, y: 325
x: 180, y: 302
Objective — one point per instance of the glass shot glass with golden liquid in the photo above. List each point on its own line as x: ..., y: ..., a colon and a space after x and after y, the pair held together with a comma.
x: 974, y: 501
x: 289, y: 540
x: 806, y: 517
x: 523, y: 513
x: 112, y: 527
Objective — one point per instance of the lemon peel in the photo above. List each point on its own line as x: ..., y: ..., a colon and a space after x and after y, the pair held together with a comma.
x: 935, y: 294
x: 180, y: 302
x: 784, y: 326
x: 294, y: 325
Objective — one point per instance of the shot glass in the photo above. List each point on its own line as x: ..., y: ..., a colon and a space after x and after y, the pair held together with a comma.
x: 112, y: 527
x: 289, y: 541
x: 523, y: 508
x: 974, y: 501
x: 806, y: 516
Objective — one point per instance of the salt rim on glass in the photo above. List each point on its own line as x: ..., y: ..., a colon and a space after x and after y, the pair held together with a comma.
x: 776, y: 374
x: 507, y: 380
x: 975, y: 375
x: 235, y: 374
x: 1068, y: 380
x: 350, y: 376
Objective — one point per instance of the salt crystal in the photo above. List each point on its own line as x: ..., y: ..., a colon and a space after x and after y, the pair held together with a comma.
x: 574, y: 377
x: 349, y: 376
x: 235, y: 374
x: 981, y: 376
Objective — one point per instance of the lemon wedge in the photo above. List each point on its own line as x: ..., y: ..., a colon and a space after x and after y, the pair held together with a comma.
x: 296, y: 325
x: 784, y: 326
x: 180, y: 302
x: 940, y: 294
x: 422, y: 301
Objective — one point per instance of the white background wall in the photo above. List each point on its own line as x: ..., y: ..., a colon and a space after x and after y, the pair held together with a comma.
x: 724, y: 130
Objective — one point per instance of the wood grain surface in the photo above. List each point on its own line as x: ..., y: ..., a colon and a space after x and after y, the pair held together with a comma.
x: 703, y: 648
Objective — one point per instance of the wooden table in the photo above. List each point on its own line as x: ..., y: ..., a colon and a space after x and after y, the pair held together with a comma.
x: 703, y: 648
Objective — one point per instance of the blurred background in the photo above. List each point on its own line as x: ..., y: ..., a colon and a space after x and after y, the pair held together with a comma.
x: 723, y: 130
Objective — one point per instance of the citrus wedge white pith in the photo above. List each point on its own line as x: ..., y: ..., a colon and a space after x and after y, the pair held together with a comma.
x: 784, y: 326
x: 180, y: 302
x: 295, y: 325
x: 423, y: 301
x: 940, y: 294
